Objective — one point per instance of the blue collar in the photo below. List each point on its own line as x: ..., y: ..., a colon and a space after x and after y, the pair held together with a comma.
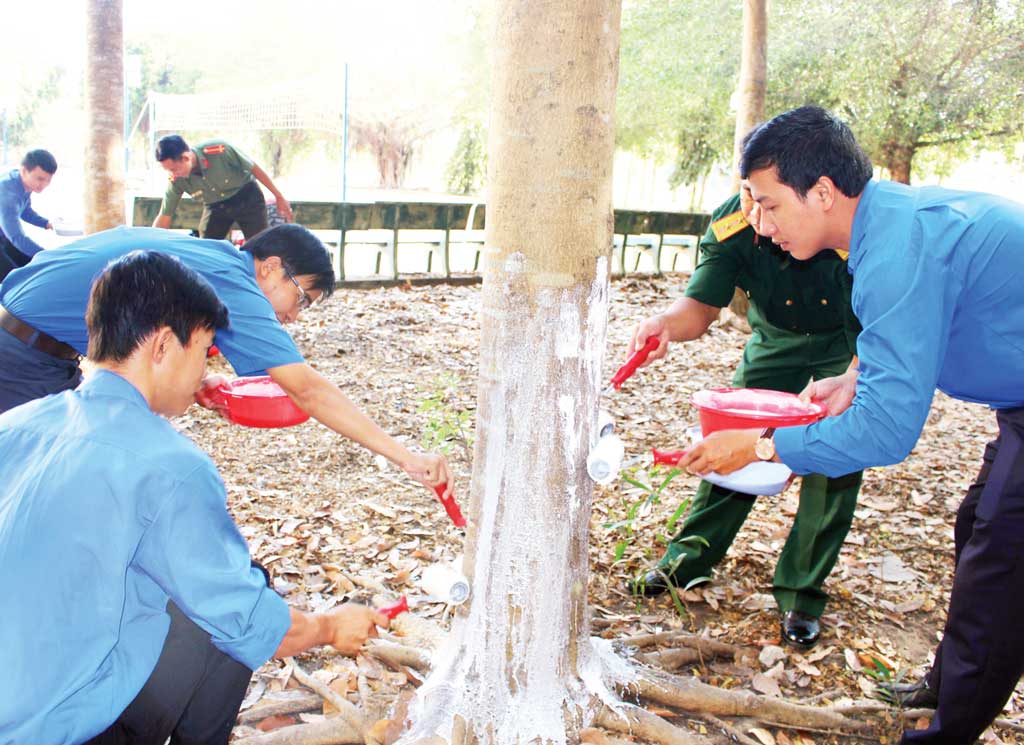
x: 107, y: 383
x: 859, y: 227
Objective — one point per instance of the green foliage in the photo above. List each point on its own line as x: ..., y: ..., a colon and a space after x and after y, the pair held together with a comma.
x: 922, y: 75
x: 446, y: 425
x: 34, y: 94
x: 467, y: 168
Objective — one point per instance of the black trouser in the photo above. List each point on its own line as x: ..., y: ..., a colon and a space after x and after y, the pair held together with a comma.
x: 981, y: 655
x: 192, y: 695
x: 246, y: 207
x: 10, y: 257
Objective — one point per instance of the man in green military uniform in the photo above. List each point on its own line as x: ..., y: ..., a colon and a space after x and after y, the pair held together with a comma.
x: 803, y: 328
x: 224, y: 178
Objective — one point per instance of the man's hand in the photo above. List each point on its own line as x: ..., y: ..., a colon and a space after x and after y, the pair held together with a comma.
x: 284, y: 209
x: 351, y: 625
x: 49, y: 225
x: 723, y: 452
x: 836, y: 394
x: 653, y: 326
x: 430, y: 470
x: 206, y: 397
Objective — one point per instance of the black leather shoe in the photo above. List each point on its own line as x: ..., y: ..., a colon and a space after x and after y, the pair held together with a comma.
x: 800, y: 629
x: 649, y: 585
x: 909, y: 695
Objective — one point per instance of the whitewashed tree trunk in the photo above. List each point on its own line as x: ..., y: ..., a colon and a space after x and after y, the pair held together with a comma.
x: 519, y: 666
x: 104, y: 92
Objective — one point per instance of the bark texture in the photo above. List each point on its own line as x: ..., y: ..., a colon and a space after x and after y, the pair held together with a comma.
x: 751, y: 93
x: 104, y: 93
x: 519, y: 666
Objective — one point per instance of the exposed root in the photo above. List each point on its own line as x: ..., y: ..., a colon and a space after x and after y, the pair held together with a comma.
x: 328, y: 732
x: 349, y: 713
x: 308, y: 702
x: 707, y: 647
x: 692, y: 695
x: 733, y: 732
x: 672, y: 659
x: 633, y: 720
x: 397, y: 656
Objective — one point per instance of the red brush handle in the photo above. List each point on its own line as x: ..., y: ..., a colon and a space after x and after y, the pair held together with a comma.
x: 402, y: 606
x: 668, y: 457
x: 450, y: 506
x: 638, y: 358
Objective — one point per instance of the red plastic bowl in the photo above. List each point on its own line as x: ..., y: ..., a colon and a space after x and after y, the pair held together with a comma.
x: 751, y: 408
x: 258, y: 402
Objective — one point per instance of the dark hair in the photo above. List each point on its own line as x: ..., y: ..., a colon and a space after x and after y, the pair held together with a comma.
x: 171, y: 147
x: 803, y: 145
x: 40, y: 159
x: 300, y: 251
x: 142, y: 292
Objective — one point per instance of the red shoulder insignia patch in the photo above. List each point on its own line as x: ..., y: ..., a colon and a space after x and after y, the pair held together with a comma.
x: 213, y: 149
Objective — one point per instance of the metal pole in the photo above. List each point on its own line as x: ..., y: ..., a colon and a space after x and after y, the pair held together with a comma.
x: 344, y: 143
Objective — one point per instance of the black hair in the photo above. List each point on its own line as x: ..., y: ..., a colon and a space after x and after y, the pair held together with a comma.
x: 142, y: 292
x: 171, y: 147
x: 803, y: 145
x: 40, y: 159
x: 300, y: 251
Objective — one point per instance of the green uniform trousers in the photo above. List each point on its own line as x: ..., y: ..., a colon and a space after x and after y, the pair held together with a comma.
x: 782, y: 361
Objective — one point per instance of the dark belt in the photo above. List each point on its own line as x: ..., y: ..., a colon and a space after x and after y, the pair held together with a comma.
x: 35, y: 339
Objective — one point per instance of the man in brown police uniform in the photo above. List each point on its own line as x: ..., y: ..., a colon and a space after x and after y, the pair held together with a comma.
x: 224, y: 178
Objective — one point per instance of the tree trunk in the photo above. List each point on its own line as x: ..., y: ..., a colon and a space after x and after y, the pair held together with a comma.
x: 519, y: 665
x: 104, y: 93
x: 751, y: 92
x: 898, y: 160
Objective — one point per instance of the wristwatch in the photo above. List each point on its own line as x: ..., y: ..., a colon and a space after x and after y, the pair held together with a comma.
x: 764, y: 448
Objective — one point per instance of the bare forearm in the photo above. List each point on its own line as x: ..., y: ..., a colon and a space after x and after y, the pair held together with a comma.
x: 307, y: 631
x: 162, y: 221
x: 260, y: 175
x: 326, y: 403
x: 688, y: 319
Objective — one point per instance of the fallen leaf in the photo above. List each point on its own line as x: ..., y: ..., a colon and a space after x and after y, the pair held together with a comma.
x: 763, y: 735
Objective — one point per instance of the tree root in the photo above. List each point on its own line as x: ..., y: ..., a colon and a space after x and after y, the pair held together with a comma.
x: 307, y: 702
x: 349, y: 713
x: 633, y: 720
x: 334, y: 731
x: 397, y: 656
x: 707, y: 647
x: 692, y: 695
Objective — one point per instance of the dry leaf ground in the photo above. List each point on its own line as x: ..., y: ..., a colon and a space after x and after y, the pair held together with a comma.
x: 332, y: 522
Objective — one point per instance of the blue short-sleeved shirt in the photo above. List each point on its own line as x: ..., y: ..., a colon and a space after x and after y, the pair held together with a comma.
x: 106, y: 512
x: 52, y: 292
x: 938, y: 285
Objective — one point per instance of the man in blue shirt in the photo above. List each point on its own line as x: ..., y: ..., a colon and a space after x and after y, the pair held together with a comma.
x: 937, y: 289
x: 16, y: 190
x: 268, y: 283
x: 112, y: 632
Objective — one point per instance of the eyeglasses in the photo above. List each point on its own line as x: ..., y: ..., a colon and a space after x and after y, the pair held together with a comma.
x: 304, y: 300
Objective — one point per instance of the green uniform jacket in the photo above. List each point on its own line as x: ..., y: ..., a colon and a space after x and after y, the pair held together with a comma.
x: 798, y: 309
x: 222, y: 171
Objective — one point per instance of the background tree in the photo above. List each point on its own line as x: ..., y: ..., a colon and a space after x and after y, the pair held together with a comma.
x: 392, y: 144
x: 923, y: 75
x: 104, y: 92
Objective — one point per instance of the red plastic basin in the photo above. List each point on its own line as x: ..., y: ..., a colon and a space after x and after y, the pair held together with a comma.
x: 752, y: 408
x: 259, y: 402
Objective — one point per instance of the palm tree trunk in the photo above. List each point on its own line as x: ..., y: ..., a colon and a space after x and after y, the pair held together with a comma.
x: 104, y: 92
